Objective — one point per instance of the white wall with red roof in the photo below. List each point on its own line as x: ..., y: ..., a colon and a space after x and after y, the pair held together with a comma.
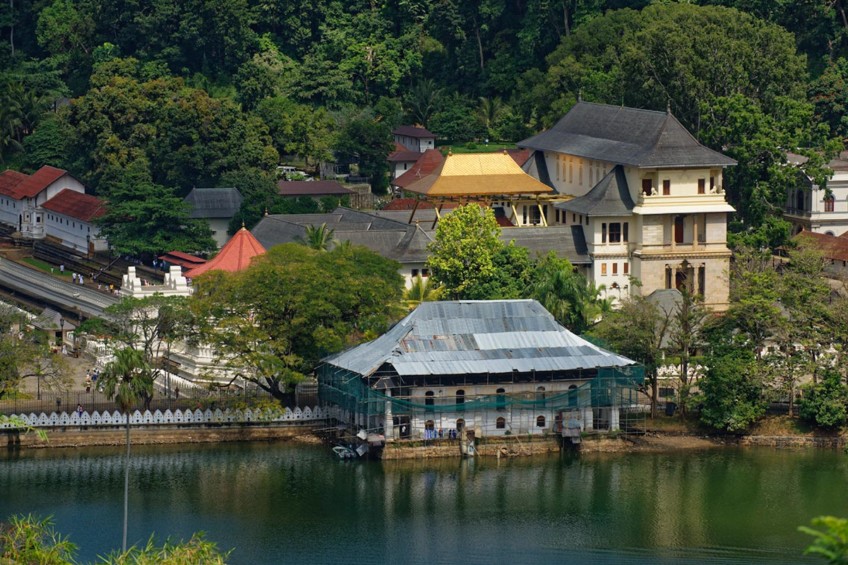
x: 70, y: 217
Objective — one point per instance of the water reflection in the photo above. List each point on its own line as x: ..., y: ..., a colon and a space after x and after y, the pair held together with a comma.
x: 282, y: 503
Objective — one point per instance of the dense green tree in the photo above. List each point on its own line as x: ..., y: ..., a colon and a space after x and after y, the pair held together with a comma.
x: 144, y: 218
x: 638, y: 329
x: 825, y: 403
x: 565, y: 293
x: 368, y: 143
x: 685, y: 340
x: 462, y: 255
x: 297, y: 129
x: 732, y: 390
x: 271, y: 323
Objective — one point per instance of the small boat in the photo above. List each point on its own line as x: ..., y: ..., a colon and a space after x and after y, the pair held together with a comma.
x: 344, y: 452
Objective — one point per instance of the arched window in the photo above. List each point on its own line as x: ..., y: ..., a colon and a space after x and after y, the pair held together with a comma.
x: 572, y: 395
x: 500, y: 423
x: 429, y: 399
x: 500, y: 401
x: 540, y: 394
x: 540, y: 421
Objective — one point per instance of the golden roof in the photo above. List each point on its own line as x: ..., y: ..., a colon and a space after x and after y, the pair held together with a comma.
x: 473, y: 174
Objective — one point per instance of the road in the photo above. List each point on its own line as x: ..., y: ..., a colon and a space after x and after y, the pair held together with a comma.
x: 48, y: 289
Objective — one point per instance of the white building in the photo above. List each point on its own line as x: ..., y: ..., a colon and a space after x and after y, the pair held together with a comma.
x: 69, y: 217
x: 217, y: 206
x: 22, y: 197
x: 817, y: 209
x: 648, y: 198
x: 415, y: 138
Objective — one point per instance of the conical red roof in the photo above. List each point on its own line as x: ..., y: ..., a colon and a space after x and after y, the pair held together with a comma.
x: 234, y: 256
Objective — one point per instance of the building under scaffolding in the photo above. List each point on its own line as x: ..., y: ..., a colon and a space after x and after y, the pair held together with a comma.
x: 495, y: 367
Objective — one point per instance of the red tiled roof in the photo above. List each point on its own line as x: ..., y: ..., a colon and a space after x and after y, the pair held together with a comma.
x: 83, y: 207
x: 39, y: 180
x: 234, y: 256
x: 830, y: 246
x: 401, y: 154
x: 311, y: 188
x: 9, y: 182
x: 519, y: 155
x: 426, y: 164
x: 413, y: 131
x: 406, y: 204
x: 182, y: 259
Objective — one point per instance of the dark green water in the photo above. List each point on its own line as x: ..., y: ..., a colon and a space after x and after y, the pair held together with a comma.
x: 280, y: 503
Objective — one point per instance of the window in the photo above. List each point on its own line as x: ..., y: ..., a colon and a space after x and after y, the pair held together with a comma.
x: 603, y: 233
x: 666, y: 187
x: 587, y: 220
x: 828, y: 204
x: 626, y: 268
x: 570, y: 170
x: 414, y: 272
x: 557, y: 216
x: 626, y: 237
x: 574, y: 218
x: 558, y: 165
x: 429, y: 399
x: 580, y: 174
x: 667, y: 276
x: 603, y: 269
x: 712, y: 184
x: 615, y: 232
x: 646, y: 187
x: 500, y: 423
x: 540, y: 394
x: 425, y: 273
x: 460, y: 397
x: 500, y: 401
x: 540, y: 422
x: 615, y: 268
x: 702, y: 186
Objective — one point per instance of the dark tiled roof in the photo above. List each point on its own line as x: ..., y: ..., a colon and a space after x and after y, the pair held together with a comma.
x: 627, y: 136
x: 83, y: 207
x: 184, y: 260
x: 413, y: 131
x: 39, y: 180
x: 311, y: 188
x: 401, y: 154
x: 568, y: 242
x: 214, y: 202
x: 537, y: 167
x: 610, y: 197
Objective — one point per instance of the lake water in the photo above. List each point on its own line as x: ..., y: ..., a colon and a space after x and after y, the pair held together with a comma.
x: 281, y: 503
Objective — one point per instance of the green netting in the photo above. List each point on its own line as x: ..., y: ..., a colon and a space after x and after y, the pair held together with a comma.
x: 611, y: 387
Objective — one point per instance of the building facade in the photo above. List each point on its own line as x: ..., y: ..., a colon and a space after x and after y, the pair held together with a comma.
x: 647, y: 195
x: 819, y: 209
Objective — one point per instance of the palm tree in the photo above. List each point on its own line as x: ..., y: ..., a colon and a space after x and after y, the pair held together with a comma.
x: 320, y: 238
x: 423, y: 100
x: 126, y: 380
x: 420, y: 291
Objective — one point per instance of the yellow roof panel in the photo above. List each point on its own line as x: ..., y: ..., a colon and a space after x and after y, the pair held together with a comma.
x: 478, y: 174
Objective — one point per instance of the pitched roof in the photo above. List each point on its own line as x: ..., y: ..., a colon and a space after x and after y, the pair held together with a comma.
x: 83, y: 207
x: 401, y: 154
x: 476, y: 337
x: 610, y: 197
x: 184, y: 260
x: 537, y: 167
x: 830, y: 246
x: 9, y: 182
x: 311, y: 188
x: 426, y: 164
x: 214, y: 202
x: 413, y: 131
x: 234, y: 256
x: 478, y: 174
x: 627, y: 136
x: 39, y: 180
x: 568, y: 242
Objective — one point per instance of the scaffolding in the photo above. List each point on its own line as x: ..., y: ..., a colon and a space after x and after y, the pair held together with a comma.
x: 608, y: 399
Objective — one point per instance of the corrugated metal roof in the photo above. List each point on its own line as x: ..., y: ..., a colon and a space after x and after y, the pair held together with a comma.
x: 477, y: 337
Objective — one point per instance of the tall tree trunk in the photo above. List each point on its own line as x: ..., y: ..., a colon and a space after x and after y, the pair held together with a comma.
x: 565, y: 18
x: 126, y: 486
x: 479, y: 43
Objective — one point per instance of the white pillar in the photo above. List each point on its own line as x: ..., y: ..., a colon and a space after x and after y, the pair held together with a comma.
x: 388, y: 425
x: 588, y: 418
x: 614, y: 418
